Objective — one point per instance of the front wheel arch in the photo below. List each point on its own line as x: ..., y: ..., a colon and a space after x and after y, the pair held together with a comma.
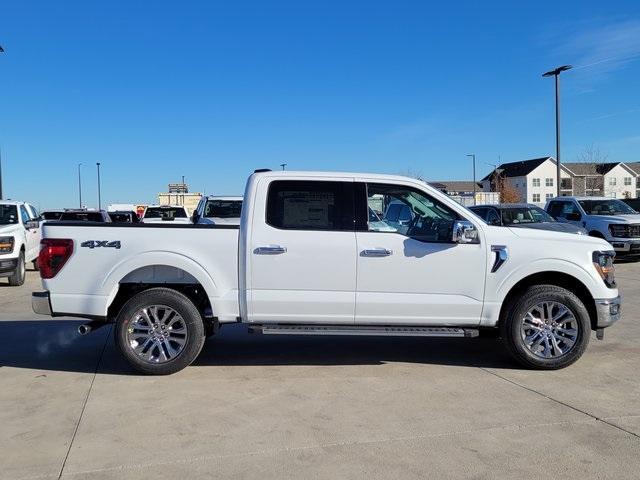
x: 557, y: 279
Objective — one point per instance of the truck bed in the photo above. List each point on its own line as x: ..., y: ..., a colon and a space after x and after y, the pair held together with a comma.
x: 106, y: 255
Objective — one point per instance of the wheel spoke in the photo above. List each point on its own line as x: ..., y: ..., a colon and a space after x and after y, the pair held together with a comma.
x: 157, y: 334
x: 549, y: 329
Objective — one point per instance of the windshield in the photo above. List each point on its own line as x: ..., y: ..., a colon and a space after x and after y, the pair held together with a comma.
x: 51, y: 215
x: 8, y: 214
x: 520, y: 215
x: 166, y: 213
x: 223, y: 208
x: 606, y: 207
x: 83, y: 216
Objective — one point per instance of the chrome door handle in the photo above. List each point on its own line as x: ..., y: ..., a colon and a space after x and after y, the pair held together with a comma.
x: 377, y: 252
x: 270, y: 250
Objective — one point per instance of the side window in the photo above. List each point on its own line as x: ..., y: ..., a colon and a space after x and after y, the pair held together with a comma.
x: 25, y: 215
x: 480, y: 211
x: 555, y: 208
x: 410, y: 212
x: 564, y: 209
x: 310, y: 205
x: 493, y: 218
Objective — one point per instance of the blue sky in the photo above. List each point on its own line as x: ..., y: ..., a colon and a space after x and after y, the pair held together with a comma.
x: 212, y: 90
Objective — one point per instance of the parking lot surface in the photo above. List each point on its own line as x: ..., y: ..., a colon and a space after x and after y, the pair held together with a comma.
x: 314, y: 407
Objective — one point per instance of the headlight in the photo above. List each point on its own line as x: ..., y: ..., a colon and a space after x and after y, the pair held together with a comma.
x: 603, y: 261
x: 6, y: 244
x: 619, y: 230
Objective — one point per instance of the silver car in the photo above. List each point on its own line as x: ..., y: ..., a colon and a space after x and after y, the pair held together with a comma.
x: 523, y: 215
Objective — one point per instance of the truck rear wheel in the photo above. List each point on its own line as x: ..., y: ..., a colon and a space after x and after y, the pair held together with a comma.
x: 546, y: 327
x: 159, y: 331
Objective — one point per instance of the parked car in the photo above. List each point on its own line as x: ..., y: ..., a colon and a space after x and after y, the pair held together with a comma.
x: 83, y: 215
x: 305, y: 260
x: 51, y: 215
x: 124, y: 217
x: 165, y: 213
x: 523, y: 215
x: 218, y: 210
x: 19, y: 239
x: 607, y: 218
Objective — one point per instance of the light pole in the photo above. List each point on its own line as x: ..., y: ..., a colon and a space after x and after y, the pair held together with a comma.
x: 99, y: 199
x: 283, y: 165
x: 473, y: 155
x: 1, y: 51
x: 556, y: 74
x: 79, y: 185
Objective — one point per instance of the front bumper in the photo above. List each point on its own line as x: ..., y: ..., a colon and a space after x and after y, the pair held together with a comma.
x: 8, y: 266
x: 40, y: 303
x: 623, y: 246
x: 609, y: 311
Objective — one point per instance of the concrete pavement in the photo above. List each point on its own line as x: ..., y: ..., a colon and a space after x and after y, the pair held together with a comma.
x: 323, y: 407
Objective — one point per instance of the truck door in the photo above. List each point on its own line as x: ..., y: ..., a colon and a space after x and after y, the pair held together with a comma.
x: 32, y: 235
x: 302, y: 258
x: 416, y: 274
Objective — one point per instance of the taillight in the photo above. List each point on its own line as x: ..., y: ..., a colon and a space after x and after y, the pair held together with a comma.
x: 54, y: 253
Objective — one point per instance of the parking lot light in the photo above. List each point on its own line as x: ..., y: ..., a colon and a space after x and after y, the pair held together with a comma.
x: 556, y: 74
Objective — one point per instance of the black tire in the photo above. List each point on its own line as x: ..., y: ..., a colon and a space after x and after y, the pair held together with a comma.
x: 17, y: 277
x: 35, y: 265
x: 511, y: 324
x: 195, y: 333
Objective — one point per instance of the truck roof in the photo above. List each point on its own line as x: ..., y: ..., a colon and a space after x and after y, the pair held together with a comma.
x: 303, y: 173
x: 581, y: 198
x: 224, y: 197
x: 12, y: 202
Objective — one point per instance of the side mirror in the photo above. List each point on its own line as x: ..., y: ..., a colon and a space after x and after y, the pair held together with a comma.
x: 574, y: 217
x: 464, y: 232
x: 32, y: 225
x: 195, y: 217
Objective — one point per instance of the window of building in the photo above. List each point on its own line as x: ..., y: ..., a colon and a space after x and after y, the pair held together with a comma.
x: 613, y: 181
x: 548, y: 182
x: 310, y: 205
x: 536, y: 182
x: 536, y: 198
x: 548, y: 196
x: 627, y: 181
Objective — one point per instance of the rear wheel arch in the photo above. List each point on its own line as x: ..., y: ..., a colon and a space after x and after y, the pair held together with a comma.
x: 558, y: 279
x: 170, y: 277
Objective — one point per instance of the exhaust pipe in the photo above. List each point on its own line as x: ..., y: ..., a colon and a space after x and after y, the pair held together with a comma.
x: 89, y: 327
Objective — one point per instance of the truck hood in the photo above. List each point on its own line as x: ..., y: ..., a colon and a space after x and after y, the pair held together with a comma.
x: 553, y: 227
x: 554, y: 236
x: 9, y: 229
x: 616, y: 218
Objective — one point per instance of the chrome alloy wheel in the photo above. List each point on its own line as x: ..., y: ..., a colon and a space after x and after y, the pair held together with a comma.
x: 157, y: 334
x: 549, y: 330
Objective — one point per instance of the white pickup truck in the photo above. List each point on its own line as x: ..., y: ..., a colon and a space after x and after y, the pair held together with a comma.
x: 307, y: 260
x: 19, y: 239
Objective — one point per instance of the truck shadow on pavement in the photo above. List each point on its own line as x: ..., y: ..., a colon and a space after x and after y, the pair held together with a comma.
x: 55, y: 345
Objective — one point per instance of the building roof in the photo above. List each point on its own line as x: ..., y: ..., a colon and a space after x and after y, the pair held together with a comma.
x: 635, y: 166
x: 455, y: 185
x: 590, y: 168
x: 519, y: 169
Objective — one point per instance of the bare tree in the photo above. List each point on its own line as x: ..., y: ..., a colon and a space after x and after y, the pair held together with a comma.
x: 508, y: 193
x: 594, y: 183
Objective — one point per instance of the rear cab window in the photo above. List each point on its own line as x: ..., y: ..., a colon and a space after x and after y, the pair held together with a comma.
x: 310, y: 205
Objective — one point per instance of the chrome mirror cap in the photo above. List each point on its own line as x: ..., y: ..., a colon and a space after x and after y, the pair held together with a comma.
x: 464, y: 232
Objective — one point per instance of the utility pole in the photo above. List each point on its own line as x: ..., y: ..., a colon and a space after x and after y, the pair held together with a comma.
x: 556, y: 74
x: 1, y: 197
x: 473, y: 155
x: 79, y: 185
x: 99, y: 199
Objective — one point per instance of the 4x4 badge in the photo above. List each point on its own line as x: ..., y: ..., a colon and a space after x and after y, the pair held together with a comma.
x: 101, y: 243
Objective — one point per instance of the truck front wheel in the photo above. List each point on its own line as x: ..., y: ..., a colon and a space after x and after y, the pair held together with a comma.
x: 159, y: 331
x: 546, y: 327
x: 17, y: 277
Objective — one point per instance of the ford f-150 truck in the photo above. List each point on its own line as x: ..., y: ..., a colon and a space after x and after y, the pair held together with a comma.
x: 607, y: 218
x: 19, y: 239
x: 307, y: 260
